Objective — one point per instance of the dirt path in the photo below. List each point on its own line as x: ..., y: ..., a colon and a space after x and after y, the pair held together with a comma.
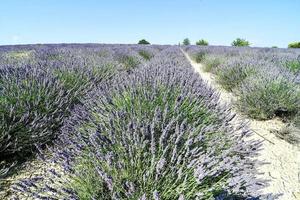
x: 284, y: 158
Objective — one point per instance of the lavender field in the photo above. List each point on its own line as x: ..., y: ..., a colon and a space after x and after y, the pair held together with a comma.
x: 266, y: 81
x: 114, y: 122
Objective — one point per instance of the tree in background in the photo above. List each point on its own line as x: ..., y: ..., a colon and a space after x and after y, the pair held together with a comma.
x: 186, y: 41
x: 240, y: 42
x: 202, y: 42
x: 294, y: 45
x: 143, y: 41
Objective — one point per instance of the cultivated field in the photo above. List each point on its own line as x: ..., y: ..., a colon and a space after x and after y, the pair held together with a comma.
x: 162, y: 122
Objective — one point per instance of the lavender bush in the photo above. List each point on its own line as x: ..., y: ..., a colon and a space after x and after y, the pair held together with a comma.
x: 40, y: 85
x: 145, y: 54
x: 199, y: 57
x: 232, y: 75
x: 32, y: 107
x: 267, y: 97
x: 38, y: 88
x: 265, y: 80
x: 212, y: 63
x: 34, y: 99
x: 157, y: 133
x: 79, y: 80
x: 293, y: 65
x: 128, y: 58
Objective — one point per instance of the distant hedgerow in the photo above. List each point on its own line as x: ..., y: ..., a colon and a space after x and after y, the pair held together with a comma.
x: 202, y: 42
x: 186, y: 41
x: 143, y: 41
x: 240, y: 42
x: 294, y: 45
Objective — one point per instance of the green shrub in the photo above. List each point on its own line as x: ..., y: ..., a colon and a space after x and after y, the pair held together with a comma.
x: 211, y: 63
x: 230, y: 77
x: 129, y: 62
x: 293, y: 66
x: 145, y: 54
x: 78, y: 81
x: 240, y: 42
x: 199, y: 56
x: 87, y: 184
x: 266, y: 97
x: 143, y: 41
x: 145, y: 108
x: 186, y: 41
x: 33, y: 103
x: 32, y: 106
x: 136, y: 105
x: 202, y: 42
x: 74, y: 81
x: 294, y: 45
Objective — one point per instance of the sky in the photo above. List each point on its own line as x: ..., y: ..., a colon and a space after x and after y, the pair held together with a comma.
x: 263, y: 23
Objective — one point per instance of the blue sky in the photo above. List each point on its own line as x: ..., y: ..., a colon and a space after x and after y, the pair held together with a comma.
x: 262, y: 22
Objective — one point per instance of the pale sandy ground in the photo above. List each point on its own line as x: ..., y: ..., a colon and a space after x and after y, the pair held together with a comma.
x: 283, y: 169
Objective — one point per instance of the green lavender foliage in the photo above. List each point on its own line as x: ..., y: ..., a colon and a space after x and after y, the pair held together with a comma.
x: 145, y: 54
x: 266, y: 97
x: 231, y: 76
x: 293, y: 65
x: 199, y: 57
x: 212, y: 63
x: 32, y: 106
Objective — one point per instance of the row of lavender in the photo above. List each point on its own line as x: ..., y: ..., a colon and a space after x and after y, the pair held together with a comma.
x: 266, y: 81
x: 40, y: 85
x: 155, y: 132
